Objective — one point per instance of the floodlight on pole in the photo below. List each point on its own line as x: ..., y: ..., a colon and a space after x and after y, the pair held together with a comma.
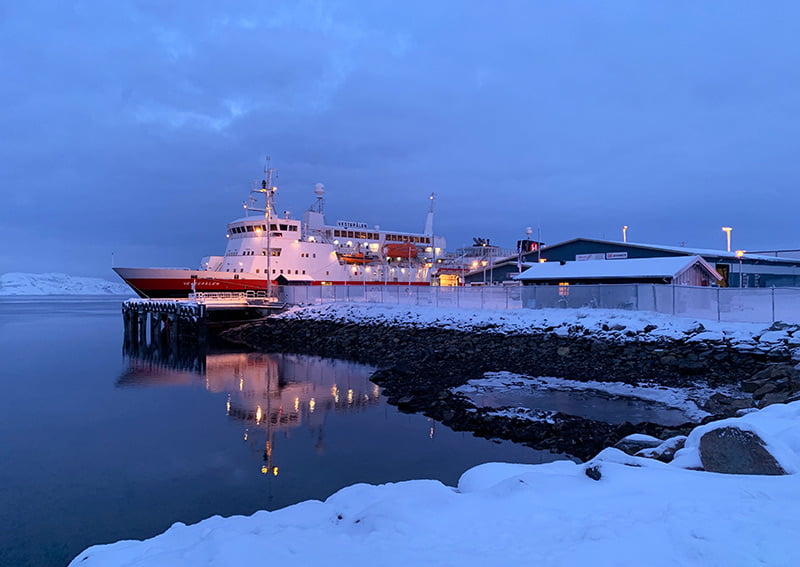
x: 739, y: 254
x: 727, y: 230
x: 625, y: 233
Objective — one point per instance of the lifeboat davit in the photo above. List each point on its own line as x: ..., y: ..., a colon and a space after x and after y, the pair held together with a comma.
x: 400, y: 250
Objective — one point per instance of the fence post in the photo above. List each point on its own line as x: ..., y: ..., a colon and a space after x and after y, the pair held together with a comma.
x: 719, y: 316
x: 637, y: 297
x: 773, y: 304
x: 673, y: 297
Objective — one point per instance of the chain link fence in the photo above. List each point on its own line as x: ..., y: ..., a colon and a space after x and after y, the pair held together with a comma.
x: 747, y: 305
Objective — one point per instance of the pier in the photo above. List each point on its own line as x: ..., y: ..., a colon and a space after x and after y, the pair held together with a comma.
x: 183, y: 324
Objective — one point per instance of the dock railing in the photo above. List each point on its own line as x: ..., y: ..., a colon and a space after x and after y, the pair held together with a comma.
x: 747, y: 305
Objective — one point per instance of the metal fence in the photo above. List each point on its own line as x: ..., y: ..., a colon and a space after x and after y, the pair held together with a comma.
x: 750, y: 305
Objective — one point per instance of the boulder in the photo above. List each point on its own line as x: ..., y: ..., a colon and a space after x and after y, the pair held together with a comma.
x: 731, y: 450
x: 632, y: 444
x: 720, y: 404
x: 767, y: 388
x: 666, y: 451
x: 772, y: 398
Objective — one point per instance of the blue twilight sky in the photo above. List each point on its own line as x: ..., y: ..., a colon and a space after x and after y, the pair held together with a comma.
x: 137, y: 127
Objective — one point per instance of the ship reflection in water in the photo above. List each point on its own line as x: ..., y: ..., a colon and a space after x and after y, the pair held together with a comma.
x: 269, y: 393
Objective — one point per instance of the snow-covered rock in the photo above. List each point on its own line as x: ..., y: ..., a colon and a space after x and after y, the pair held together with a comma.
x: 17, y: 283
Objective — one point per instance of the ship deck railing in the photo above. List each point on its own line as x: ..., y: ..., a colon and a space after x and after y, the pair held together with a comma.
x: 219, y: 298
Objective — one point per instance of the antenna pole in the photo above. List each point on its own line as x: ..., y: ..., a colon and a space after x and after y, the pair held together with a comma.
x: 269, y: 192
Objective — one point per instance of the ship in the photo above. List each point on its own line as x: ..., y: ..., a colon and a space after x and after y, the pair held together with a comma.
x: 265, y: 250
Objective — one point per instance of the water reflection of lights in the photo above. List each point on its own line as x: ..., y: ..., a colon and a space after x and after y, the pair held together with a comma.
x: 273, y: 392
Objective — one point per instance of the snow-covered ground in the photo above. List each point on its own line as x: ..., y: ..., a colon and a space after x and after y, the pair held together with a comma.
x: 610, y: 324
x: 640, y: 512
x: 16, y: 283
x: 687, y: 400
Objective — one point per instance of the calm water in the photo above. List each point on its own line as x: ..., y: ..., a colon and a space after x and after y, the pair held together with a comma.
x: 588, y: 404
x: 97, y: 446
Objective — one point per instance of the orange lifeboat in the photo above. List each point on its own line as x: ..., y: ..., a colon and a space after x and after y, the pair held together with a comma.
x: 358, y: 259
x: 400, y: 250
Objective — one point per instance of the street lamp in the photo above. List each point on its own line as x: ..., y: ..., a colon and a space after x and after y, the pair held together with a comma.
x: 739, y: 254
x: 727, y: 230
x: 625, y: 233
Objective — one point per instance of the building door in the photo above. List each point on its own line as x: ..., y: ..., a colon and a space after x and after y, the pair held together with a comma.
x: 724, y: 270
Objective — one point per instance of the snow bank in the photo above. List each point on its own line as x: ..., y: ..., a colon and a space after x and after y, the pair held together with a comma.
x: 640, y: 511
x: 610, y: 324
x: 15, y: 283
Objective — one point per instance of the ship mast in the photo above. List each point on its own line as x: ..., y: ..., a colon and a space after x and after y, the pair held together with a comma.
x: 268, y: 190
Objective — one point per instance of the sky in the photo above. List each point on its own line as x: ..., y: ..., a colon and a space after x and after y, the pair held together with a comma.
x: 131, y: 131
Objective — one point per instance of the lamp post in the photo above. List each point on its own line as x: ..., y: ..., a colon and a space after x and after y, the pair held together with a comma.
x: 727, y: 230
x: 625, y: 233
x: 739, y: 254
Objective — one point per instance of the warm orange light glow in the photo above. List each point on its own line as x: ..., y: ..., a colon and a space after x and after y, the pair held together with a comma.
x: 542, y: 260
x: 259, y: 414
x: 740, y: 253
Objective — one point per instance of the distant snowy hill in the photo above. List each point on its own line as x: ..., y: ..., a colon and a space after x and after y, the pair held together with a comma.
x: 15, y: 283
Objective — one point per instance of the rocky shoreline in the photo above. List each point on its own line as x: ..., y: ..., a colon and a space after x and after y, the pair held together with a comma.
x: 417, y: 367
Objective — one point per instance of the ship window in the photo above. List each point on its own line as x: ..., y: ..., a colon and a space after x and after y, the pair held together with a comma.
x: 281, y: 271
x: 304, y: 271
x: 249, y: 228
x: 284, y: 227
x: 296, y: 272
x: 273, y: 227
x: 263, y: 227
x: 273, y: 270
x: 275, y: 252
x: 236, y: 276
x: 293, y: 228
x: 350, y: 234
x: 315, y: 255
x: 257, y: 270
x: 278, y: 234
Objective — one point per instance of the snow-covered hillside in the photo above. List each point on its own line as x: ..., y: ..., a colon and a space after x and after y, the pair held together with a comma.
x: 16, y: 283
